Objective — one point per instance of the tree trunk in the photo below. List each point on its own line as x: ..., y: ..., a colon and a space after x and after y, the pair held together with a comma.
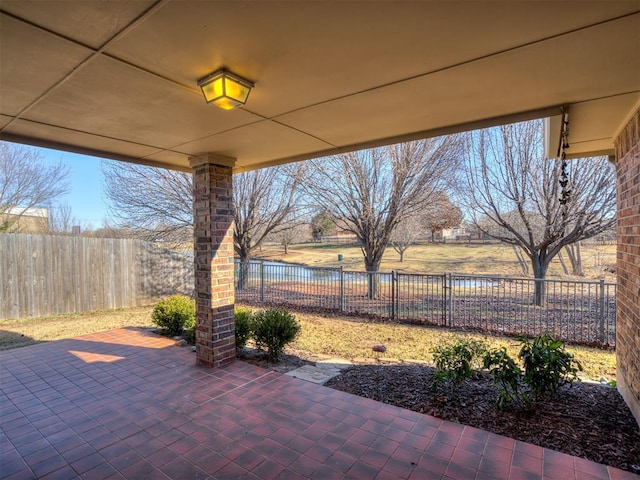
x: 372, y: 278
x: 564, y: 265
x: 286, y: 249
x: 243, y: 271
x: 521, y: 260
x: 540, y: 266
x: 401, y: 256
x: 574, y: 252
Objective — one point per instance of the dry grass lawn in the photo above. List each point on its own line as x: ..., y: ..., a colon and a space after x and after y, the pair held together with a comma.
x: 335, y: 336
x: 352, y: 338
x: 28, y: 331
x: 479, y: 259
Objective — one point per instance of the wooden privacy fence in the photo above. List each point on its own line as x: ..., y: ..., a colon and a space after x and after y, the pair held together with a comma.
x: 48, y: 275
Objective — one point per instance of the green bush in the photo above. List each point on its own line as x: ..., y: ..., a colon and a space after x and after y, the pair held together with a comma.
x: 175, y: 313
x: 455, y: 362
x: 273, y: 329
x: 547, y: 365
x: 244, y: 326
x: 507, y: 376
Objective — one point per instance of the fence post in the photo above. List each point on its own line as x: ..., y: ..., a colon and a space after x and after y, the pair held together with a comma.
x: 262, y: 282
x: 601, y: 313
x: 397, y: 295
x: 449, y: 280
x: 393, y: 294
x: 341, y: 289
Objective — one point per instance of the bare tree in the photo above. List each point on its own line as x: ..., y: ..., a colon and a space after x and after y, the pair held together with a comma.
x: 264, y: 203
x: 370, y: 191
x: 440, y: 213
x: 27, y: 182
x: 574, y: 252
x: 516, y: 190
x: 405, y: 234
x: 291, y: 233
x: 62, y: 221
x: 108, y: 230
x: 155, y: 203
x: 522, y: 261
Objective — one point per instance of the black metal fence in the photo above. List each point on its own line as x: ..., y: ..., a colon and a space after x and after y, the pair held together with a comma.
x: 577, y: 311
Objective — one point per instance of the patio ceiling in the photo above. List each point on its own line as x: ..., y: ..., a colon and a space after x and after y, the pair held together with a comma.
x: 118, y: 79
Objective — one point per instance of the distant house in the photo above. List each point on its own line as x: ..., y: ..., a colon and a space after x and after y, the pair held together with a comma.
x: 340, y: 237
x: 25, y: 220
x: 456, y: 233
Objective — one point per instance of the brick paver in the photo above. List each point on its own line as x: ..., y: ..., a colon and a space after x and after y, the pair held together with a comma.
x: 129, y: 404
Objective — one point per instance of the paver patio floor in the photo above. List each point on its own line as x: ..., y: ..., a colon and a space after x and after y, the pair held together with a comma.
x: 129, y: 404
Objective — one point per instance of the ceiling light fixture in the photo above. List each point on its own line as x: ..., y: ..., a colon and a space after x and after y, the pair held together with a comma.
x: 225, y: 89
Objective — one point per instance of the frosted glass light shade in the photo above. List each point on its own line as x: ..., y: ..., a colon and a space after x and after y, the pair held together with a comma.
x: 225, y: 89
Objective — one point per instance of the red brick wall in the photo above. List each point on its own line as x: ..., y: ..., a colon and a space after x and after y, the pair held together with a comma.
x: 628, y: 264
x: 213, y: 231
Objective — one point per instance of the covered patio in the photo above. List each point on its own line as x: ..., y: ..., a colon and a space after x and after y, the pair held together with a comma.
x: 119, y: 80
x: 131, y: 404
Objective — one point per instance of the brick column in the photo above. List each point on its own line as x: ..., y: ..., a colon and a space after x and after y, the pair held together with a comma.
x: 213, y: 244
x: 628, y: 264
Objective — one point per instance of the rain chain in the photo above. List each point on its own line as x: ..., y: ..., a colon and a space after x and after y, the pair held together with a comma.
x: 565, y: 192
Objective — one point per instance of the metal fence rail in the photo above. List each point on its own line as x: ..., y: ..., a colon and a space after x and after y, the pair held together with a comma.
x: 576, y: 311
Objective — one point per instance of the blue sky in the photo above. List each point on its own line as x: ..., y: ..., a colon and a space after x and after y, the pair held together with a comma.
x: 85, y: 195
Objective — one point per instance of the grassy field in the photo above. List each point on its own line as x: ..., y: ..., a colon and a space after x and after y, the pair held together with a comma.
x: 28, y: 331
x: 322, y: 336
x: 481, y: 259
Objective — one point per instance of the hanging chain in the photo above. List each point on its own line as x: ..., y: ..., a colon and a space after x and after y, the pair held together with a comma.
x: 565, y: 191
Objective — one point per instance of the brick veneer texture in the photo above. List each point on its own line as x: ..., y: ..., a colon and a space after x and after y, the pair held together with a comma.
x: 213, y: 232
x: 628, y: 264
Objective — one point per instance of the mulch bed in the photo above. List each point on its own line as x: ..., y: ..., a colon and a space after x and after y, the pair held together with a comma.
x: 584, y: 419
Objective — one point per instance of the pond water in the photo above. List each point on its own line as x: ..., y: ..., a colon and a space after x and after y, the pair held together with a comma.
x: 273, y: 271
x: 474, y: 282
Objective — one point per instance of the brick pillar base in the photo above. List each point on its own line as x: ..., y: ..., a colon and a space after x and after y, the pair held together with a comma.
x: 214, y: 280
x: 628, y: 265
